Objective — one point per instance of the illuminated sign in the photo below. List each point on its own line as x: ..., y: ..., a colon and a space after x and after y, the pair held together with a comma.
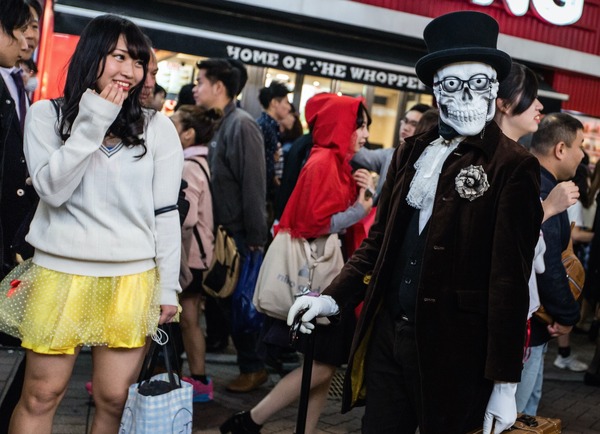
x: 558, y: 12
x: 325, y: 68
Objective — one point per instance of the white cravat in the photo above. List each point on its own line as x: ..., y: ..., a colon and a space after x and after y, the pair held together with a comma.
x: 424, y: 184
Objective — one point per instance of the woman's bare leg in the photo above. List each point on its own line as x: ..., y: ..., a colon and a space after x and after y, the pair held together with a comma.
x: 193, y: 336
x: 46, y: 380
x: 115, y: 369
x: 287, y: 391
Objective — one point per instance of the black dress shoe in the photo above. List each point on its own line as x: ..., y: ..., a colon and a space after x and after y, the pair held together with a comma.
x: 591, y: 379
x: 593, y: 331
x: 216, y: 346
x: 240, y: 423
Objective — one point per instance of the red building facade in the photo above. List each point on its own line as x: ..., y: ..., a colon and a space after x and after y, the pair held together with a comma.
x: 583, y: 37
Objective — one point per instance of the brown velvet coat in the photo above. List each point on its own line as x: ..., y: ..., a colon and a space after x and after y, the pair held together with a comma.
x: 473, y: 293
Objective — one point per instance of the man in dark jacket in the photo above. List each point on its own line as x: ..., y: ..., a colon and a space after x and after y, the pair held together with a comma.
x: 557, y: 145
x: 238, y: 178
x: 14, y: 17
x: 444, y: 272
x: 14, y: 190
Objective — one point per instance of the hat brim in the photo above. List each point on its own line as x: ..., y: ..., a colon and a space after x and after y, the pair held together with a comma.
x: 428, y: 65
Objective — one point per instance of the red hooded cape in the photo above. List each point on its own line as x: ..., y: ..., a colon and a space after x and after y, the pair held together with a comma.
x: 325, y: 185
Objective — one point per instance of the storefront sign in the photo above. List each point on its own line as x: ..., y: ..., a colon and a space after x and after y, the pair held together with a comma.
x: 558, y: 12
x: 325, y: 68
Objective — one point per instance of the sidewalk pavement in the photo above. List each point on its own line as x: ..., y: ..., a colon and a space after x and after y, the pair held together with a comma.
x: 564, y: 397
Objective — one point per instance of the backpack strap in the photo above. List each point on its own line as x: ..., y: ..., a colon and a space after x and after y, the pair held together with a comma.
x: 203, y: 171
x: 195, y: 230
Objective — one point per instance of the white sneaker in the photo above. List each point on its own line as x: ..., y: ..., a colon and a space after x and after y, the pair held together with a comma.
x: 571, y: 363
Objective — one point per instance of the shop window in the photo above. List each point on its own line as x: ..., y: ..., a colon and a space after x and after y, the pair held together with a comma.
x: 384, y: 111
x: 311, y: 86
x: 351, y: 89
x: 174, y: 71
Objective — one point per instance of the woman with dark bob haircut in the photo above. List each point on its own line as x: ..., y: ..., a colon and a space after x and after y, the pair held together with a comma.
x: 108, y: 174
x: 518, y: 111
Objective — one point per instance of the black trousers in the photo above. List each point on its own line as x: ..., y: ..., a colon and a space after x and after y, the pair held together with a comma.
x: 392, y: 378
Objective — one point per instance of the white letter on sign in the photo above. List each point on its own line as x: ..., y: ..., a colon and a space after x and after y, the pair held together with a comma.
x: 549, y: 10
x: 517, y: 7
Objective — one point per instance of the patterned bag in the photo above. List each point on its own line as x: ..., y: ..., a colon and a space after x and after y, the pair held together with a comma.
x: 161, y: 404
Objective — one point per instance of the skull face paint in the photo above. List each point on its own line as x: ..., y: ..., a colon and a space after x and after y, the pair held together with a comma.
x: 466, y: 93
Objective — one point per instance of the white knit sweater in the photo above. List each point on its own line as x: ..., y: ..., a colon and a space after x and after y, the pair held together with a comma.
x: 96, y: 213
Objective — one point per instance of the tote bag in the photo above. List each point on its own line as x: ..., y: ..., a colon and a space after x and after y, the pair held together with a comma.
x: 161, y: 404
x: 294, y: 267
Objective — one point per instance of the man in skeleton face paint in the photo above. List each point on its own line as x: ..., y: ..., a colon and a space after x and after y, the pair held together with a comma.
x: 444, y: 272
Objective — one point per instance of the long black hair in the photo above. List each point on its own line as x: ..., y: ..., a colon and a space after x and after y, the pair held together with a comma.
x: 98, y: 40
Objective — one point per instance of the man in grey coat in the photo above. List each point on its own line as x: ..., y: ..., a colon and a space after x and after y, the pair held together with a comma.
x: 237, y: 164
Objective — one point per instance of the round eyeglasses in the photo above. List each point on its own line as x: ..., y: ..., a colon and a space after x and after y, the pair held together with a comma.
x: 476, y: 82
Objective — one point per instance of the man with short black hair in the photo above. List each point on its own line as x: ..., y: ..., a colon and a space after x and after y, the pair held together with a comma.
x: 276, y: 107
x: 557, y: 146
x: 238, y: 179
x: 16, y: 195
x: 410, y: 120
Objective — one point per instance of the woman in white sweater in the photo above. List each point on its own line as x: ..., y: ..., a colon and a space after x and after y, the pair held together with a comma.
x: 106, y: 231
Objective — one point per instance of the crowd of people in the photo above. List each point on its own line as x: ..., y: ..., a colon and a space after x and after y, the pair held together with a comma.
x: 463, y: 249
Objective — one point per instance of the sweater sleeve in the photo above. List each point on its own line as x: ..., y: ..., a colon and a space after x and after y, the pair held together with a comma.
x: 56, y: 168
x: 371, y: 159
x: 344, y: 219
x: 168, y: 166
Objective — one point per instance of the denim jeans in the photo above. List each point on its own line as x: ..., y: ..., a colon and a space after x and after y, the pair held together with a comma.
x: 529, y: 390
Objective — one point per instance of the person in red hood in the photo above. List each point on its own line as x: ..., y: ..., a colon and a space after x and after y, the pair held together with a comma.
x: 328, y: 198
x: 324, y: 199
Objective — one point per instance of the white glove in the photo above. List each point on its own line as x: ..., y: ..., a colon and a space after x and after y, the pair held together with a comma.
x: 502, y: 407
x: 322, y: 305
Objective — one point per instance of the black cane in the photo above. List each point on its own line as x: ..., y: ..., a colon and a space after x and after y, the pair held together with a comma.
x: 306, y: 371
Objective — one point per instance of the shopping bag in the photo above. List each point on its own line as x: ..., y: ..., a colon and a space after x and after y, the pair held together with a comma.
x: 244, y: 316
x: 294, y: 267
x: 159, y: 404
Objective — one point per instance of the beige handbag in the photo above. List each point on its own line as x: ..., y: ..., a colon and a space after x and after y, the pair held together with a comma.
x: 293, y: 267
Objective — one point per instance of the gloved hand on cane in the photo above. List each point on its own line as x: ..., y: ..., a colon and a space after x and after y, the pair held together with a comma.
x: 502, y: 408
x: 322, y: 305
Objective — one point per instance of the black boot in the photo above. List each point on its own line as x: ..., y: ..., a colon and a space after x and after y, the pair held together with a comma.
x: 240, y: 423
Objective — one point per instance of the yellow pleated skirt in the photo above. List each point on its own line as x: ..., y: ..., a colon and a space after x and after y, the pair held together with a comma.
x: 53, y: 312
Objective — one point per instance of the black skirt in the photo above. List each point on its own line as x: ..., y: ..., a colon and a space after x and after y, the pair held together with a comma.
x: 332, y: 342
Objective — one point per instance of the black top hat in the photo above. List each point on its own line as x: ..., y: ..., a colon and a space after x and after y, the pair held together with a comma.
x: 461, y: 37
